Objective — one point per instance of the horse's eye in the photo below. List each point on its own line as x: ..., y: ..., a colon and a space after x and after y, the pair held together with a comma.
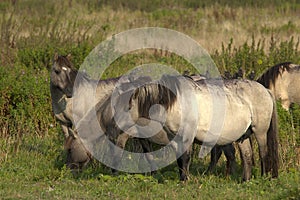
x: 57, y: 71
x: 127, y: 108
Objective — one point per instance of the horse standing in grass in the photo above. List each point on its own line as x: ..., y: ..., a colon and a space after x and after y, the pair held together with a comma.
x: 283, y: 80
x: 62, y: 84
x: 248, y: 105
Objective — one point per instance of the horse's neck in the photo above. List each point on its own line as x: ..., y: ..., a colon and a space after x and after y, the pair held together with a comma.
x: 88, y: 94
x: 104, y: 89
x: 58, y: 99
x: 93, y: 90
x: 61, y: 106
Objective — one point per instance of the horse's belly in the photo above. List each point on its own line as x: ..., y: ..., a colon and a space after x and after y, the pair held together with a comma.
x: 222, y: 138
x: 227, y: 128
x: 234, y: 129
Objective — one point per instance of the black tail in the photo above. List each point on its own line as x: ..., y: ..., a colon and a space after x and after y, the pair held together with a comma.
x: 272, y: 163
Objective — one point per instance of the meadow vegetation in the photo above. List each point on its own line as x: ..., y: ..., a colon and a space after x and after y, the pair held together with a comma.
x: 251, y: 35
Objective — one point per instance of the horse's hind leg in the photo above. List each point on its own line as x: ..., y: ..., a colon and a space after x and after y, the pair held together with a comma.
x: 246, y: 156
x: 216, y: 153
x: 263, y: 151
x: 266, y: 132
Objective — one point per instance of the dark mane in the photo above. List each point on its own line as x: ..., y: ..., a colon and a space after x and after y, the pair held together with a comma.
x: 162, y: 92
x: 110, y: 80
x: 81, y: 76
x: 270, y: 76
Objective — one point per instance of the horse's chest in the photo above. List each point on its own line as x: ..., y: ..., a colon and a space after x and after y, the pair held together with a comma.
x: 62, y: 110
x: 173, y: 119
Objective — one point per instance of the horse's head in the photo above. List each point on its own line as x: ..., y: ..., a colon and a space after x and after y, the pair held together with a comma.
x: 63, y: 74
x: 77, y: 155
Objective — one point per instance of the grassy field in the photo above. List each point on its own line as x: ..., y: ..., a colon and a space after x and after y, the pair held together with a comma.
x: 252, y: 35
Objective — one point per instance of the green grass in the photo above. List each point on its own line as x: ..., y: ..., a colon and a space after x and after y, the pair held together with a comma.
x: 252, y: 35
x: 36, y: 171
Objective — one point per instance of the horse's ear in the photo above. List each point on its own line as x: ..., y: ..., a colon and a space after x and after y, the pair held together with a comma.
x: 55, y: 56
x: 69, y: 57
x: 68, y: 142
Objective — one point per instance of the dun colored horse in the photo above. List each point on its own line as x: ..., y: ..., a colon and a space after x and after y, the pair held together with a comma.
x: 69, y: 106
x: 256, y: 114
x: 283, y: 80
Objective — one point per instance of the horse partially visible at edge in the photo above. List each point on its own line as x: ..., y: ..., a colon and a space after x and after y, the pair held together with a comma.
x: 283, y: 80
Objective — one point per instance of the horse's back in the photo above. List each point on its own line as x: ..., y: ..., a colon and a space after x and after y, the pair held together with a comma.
x: 256, y: 96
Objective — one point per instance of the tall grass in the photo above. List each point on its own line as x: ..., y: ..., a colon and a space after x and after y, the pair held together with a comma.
x: 28, y: 24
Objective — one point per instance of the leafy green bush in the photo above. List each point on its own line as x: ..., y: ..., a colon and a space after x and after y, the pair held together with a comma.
x: 41, y: 57
x: 25, y: 105
x: 256, y: 56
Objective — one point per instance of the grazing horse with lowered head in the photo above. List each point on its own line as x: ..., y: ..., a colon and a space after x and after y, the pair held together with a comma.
x: 72, y: 100
x: 283, y: 80
x: 190, y: 119
x: 67, y: 111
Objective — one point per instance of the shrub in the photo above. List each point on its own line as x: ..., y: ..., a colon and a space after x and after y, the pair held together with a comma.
x: 256, y: 56
x: 41, y: 57
x: 25, y: 105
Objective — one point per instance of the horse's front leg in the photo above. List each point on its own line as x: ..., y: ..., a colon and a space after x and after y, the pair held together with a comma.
x: 183, y: 162
x: 229, y: 152
x: 65, y: 130
x: 147, y: 149
x: 215, y: 155
x: 118, y: 152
